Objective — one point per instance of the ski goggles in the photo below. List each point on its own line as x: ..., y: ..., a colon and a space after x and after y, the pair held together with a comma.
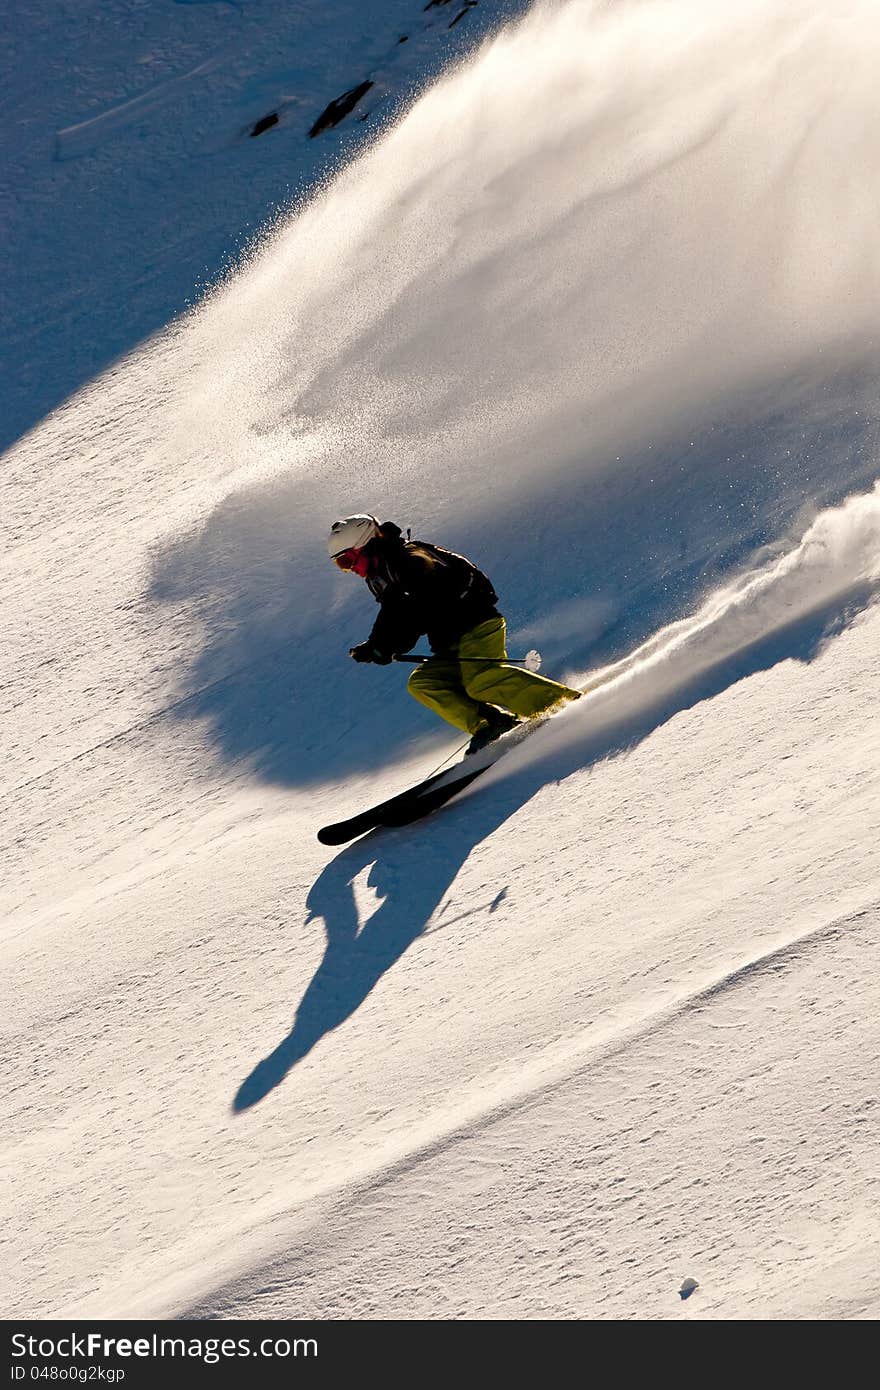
x: 353, y: 559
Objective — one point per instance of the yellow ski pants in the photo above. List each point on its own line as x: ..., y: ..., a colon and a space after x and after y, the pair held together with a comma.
x: 474, y: 674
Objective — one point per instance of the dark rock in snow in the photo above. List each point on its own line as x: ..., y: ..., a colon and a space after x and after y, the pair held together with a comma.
x: 265, y: 123
x: 339, y: 108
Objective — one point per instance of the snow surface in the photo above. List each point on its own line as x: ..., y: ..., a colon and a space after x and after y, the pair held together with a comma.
x: 600, y: 310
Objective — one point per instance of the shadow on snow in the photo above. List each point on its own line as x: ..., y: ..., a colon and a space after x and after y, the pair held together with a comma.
x: 588, y: 562
x: 412, y: 881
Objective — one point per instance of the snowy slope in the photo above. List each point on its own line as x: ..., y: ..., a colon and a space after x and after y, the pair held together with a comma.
x: 128, y: 173
x: 610, y: 1019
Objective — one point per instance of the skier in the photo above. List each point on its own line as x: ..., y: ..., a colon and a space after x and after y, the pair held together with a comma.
x: 424, y: 589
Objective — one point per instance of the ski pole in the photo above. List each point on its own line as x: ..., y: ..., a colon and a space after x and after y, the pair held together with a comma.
x: 418, y: 657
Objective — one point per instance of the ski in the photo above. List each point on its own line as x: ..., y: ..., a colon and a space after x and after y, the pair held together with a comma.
x: 343, y: 830
x: 427, y: 796
x: 413, y: 806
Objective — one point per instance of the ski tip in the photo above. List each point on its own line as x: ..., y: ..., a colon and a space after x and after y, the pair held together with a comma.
x: 329, y: 835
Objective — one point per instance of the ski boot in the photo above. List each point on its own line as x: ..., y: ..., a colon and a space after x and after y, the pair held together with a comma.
x: 496, y: 722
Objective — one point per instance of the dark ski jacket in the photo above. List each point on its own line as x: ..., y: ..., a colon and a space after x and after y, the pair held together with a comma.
x: 424, y: 589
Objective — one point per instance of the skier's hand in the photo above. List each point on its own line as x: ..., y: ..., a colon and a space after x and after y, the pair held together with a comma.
x: 365, y: 651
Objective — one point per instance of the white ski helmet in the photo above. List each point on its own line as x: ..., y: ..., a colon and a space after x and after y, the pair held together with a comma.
x: 351, y: 533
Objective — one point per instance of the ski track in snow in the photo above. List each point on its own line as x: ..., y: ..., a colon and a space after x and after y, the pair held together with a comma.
x: 835, y: 566
x: 698, y: 882
x: 359, y: 1236
x: 86, y: 136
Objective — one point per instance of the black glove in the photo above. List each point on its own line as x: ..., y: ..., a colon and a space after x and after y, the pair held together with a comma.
x: 366, y: 652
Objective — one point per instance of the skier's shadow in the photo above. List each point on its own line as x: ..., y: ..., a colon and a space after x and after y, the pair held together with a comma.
x: 410, y: 871
x: 412, y: 868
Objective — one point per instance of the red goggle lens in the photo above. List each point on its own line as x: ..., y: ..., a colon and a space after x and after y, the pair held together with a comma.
x: 347, y: 559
